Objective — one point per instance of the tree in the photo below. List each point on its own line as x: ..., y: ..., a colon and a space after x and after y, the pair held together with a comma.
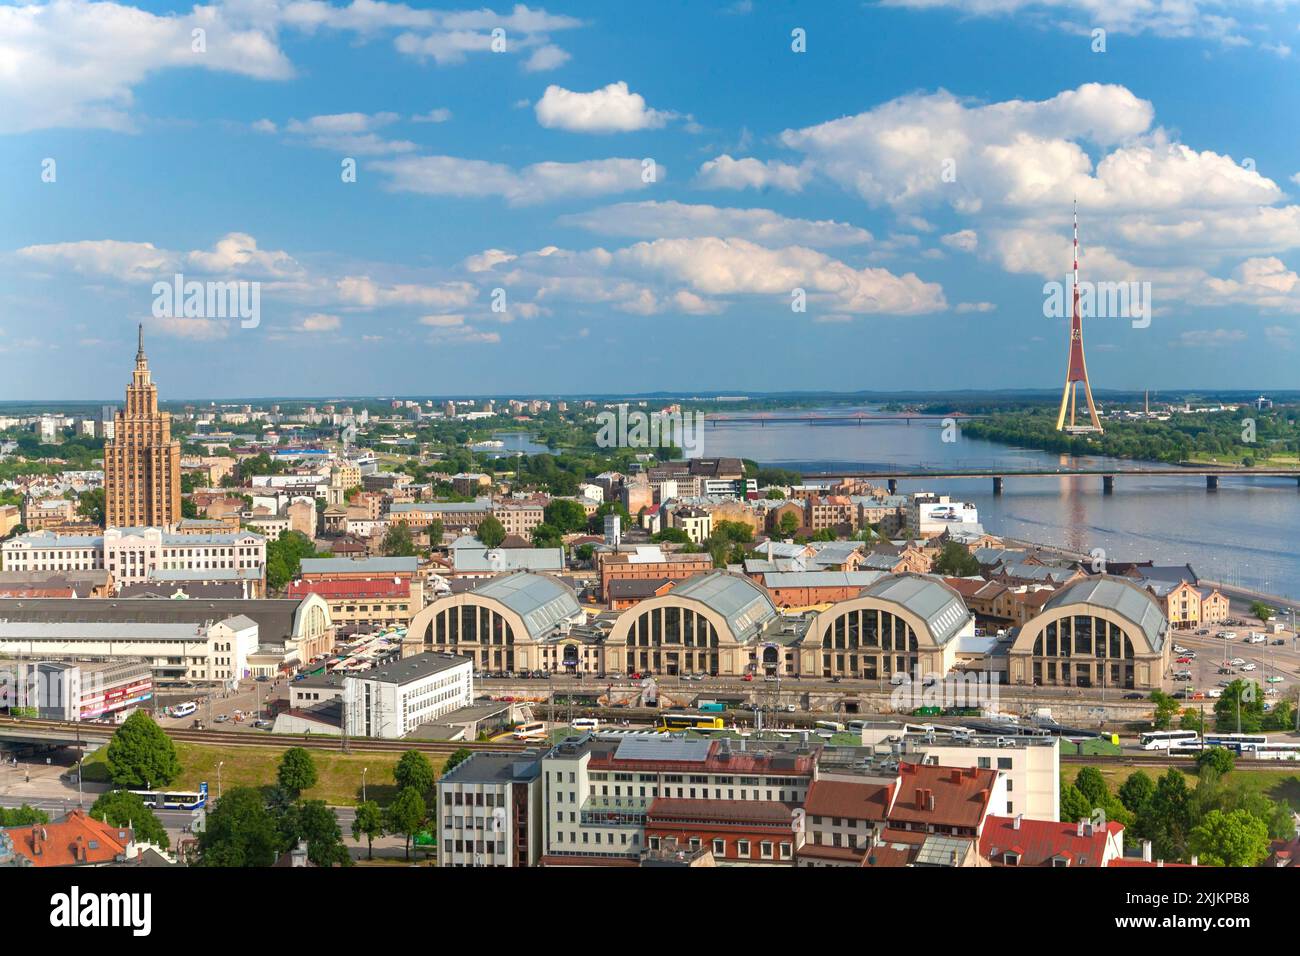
x: 141, y: 756
x: 1136, y: 792
x: 1092, y: 785
x: 790, y: 523
x: 457, y: 757
x: 122, y: 808
x: 1241, y: 701
x: 297, y: 771
x: 565, y: 515
x: 316, y: 823
x: 406, y: 814
x: 547, y: 536
x: 1220, y: 759
x: 1074, y: 805
x: 955, y: 561
x: 415, y: 771
x: 436, y: 530
x: 491, y: 532
x: 240, y: 832
x: 368, y: 822
x: 23, y: 816
x: 1262, y: 611
x: 1191, y: 720
x: 1166, y: 707
x: 397, y: 542
x: 1168, y: 817
x: 671, y: 535
x: 90, y: 504
x: 1230, y: 839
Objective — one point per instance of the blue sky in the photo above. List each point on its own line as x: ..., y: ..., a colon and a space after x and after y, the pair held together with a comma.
x: 646, y: 185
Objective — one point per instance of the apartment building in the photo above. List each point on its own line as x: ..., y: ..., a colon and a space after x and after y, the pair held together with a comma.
x: 490, y: 811
x: 393, y: 700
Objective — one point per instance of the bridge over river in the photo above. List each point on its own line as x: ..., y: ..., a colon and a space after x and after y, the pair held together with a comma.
x: 1108, y: 474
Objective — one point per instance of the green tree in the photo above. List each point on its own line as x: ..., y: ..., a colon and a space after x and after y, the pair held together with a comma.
x: 436, y: 530
x: 671, y: 536
x: 397, y: 542
x: 406, y: 814
x: 790, y: 523
x: 955, y: 561
x: 1092, y: 785
x: 1074, y: 805
x: 1219, y: 759
x: 1230, y: 839
x: 414, y: 771
x: 123, y: 808
x: 1166, y: 708
x: 368, y: 822
x: 297, y: 772
x: 240, y: 832
x: 141, y: 756
x: 315, y: 823
x: 1191, y: 720
x: 1261, y: 610
x: 90, y: 504
x: 547, y: 536
x: 23, y: 816
x: 1168, y: 817
x: 491, y: 532
x: 1136, y: 792
x: 565, y: 515
x: 457, y: 757
x: 1241, y: 702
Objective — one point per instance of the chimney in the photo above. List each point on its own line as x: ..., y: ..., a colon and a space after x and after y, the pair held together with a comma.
x: 1195, y: 860
x: 1015, y: 824
x: 1079, y: 830
x: 1160, y: 862
x: 956, y: 775
x: 1087, y: 828
x: 1146, y: 851
x: 920, y: 799
x: 38, y: 840
x: 929, y: 799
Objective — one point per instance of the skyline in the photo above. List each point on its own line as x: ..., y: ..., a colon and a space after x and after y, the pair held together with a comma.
x: 228, y: 169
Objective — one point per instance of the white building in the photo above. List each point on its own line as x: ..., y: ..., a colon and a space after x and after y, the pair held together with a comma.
x: 132, y: 554
x: 391, y: 701
x: 930, y: 515
x: 179, y: 651
x: 491, y: 811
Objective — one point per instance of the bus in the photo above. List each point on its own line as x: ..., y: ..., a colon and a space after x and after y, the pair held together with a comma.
x: 1164, y: 739
x: 586, y: 723
x: 185, y: 709
x: 1241, y: 743
x: 531, y: 730
x: 703, y: 722
x: 174, y: 799
x: 1276, y: 751
x: 834, y: 726
x: 712, y: 707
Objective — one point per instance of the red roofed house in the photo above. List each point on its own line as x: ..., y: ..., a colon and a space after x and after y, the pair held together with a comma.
x: 946, y: 800
x: 736, y: 831
x: 1015, y: 841
x: 841, y: 819
x: 76, y: 840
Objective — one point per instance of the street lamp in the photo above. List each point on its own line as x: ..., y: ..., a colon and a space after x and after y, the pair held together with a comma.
x: 363, y: 783
x: 220, y: 764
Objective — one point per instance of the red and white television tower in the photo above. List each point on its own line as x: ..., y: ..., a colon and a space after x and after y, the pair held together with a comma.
x: 1077, y: 370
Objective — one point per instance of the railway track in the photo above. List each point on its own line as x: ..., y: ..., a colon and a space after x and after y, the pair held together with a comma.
x: 227, y: 738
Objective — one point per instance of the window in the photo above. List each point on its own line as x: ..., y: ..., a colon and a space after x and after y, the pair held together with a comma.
x: 765, y: 849
x: 742, y: 848
x: 719, y: 847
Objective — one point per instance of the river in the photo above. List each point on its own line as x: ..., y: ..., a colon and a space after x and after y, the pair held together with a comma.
x: 1243, y: 534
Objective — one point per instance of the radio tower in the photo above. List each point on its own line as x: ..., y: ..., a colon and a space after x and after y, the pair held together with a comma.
x: 1077, y: 371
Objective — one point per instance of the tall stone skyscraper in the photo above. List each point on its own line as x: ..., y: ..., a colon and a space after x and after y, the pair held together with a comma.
x: 142, y: 463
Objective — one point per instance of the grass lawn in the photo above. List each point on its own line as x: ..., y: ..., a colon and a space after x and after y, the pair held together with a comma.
x: 339, y: 773
x: 1281, y: 785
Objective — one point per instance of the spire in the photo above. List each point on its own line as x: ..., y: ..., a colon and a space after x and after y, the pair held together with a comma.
x: 140, y: 360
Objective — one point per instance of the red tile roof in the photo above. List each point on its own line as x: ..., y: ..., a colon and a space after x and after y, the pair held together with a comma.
x: 350, y: 588
x: 1038, y: 842
x: 943, y: 796
x: 764, y: 812
x: 856, y: 801
x: 76, y: 840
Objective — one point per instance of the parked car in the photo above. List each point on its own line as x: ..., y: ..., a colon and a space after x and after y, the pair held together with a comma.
x: 263, y: 725
x: 1183, y: 660
x: 221, y: 718
x: 747, y: 677
x: 1248, y: 667
x: 1133, y: 696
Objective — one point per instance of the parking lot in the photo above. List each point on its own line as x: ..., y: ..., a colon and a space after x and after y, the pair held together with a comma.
x: 1215, y: 661
x: 230, y: 710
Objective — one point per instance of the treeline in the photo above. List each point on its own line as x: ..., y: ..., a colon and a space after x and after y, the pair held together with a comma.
x: 1242, y: 437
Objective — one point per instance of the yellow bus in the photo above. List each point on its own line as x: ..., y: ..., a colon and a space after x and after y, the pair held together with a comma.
x: 704, y: 722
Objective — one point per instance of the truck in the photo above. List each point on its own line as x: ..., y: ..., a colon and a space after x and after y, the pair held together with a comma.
x: 711, y: 707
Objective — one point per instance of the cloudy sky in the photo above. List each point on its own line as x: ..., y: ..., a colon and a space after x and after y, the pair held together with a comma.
x: 596, y: 197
